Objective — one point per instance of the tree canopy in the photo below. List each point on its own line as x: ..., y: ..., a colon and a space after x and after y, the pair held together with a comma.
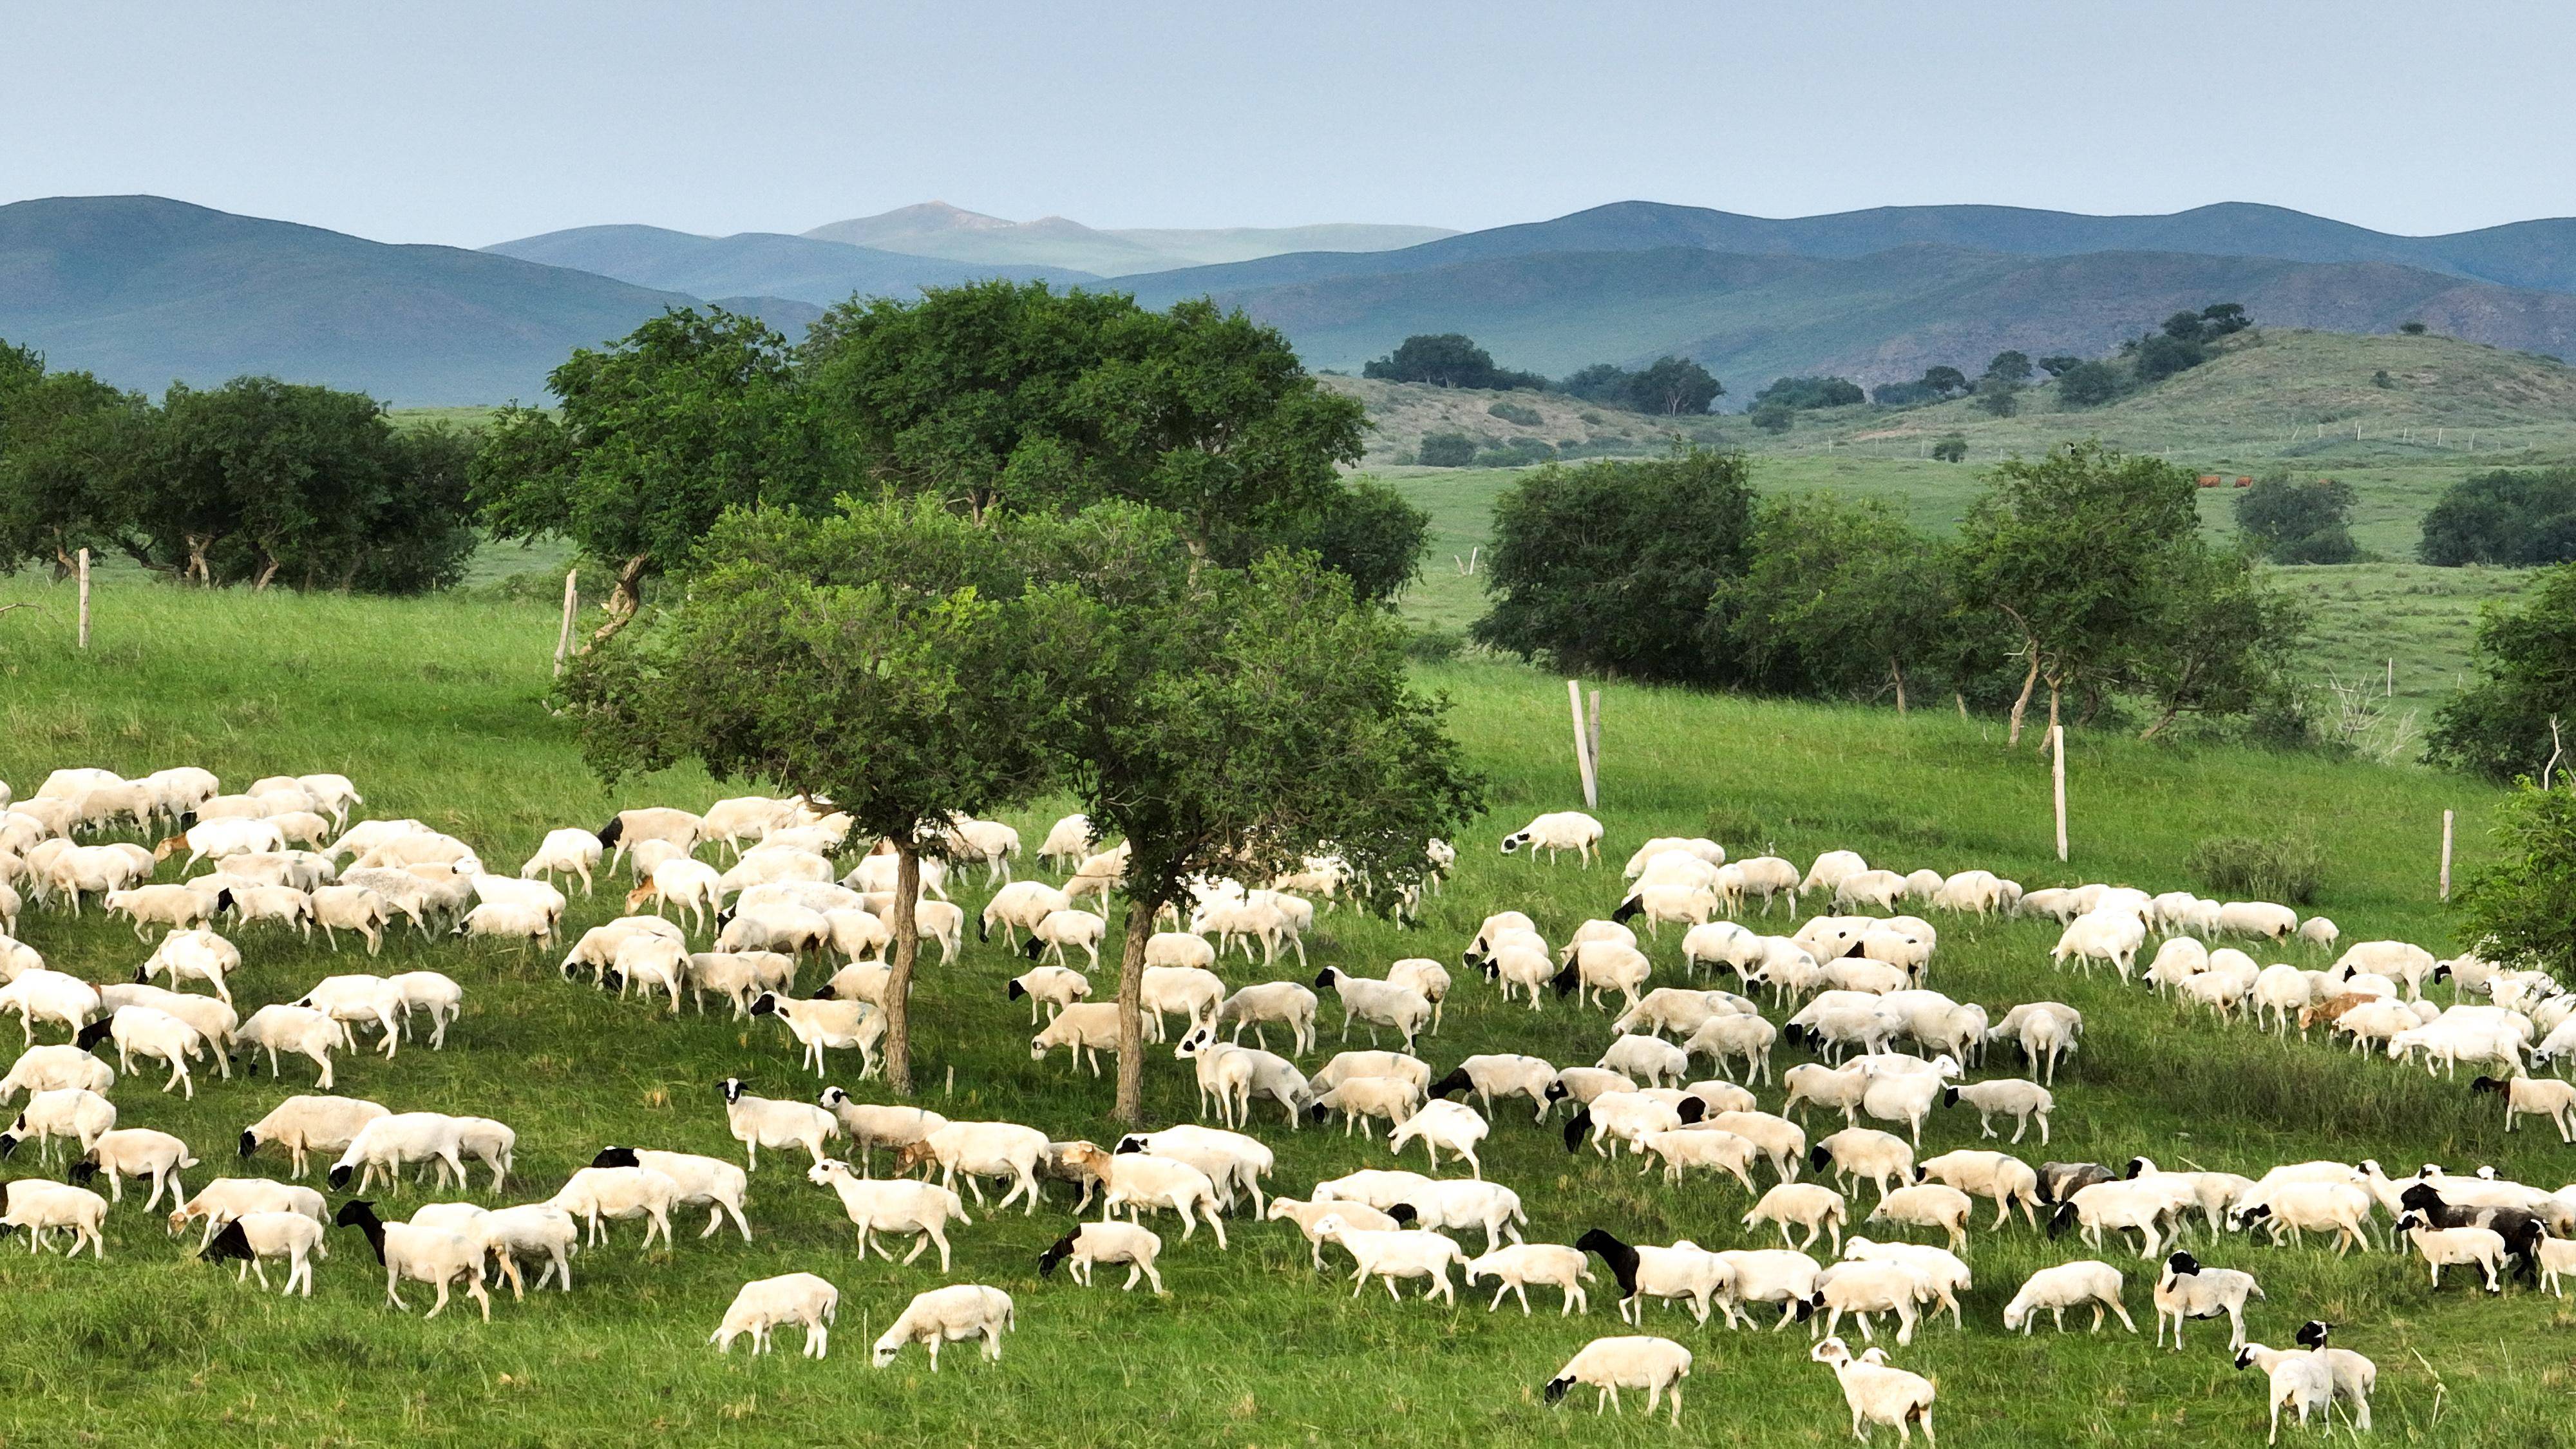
x: 2298, y: 521
x: 2516, y: 517
x: 1447, y: 359
x: 1842, y: 594
x: 1808, y: 393
x: 2499, y: 726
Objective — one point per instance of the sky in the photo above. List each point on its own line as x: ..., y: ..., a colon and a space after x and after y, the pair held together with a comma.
x: 470, y: 123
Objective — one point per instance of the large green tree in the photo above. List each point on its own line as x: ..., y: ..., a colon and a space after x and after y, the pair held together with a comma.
x: 2069, y: 548
x: 689, y: 415
x: 2514, y: 516
x: 2298, y: 521
x: 879, y: 656
x: 63, y: 437
x: 2500, y: 725
x: 2523, y: 908
x: 2218, y: 641
x: 1843, y: 593
x: 1228, y: 722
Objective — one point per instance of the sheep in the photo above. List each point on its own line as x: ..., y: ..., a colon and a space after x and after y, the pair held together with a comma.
x: 1603, y: 965
x: 1556, y: 832
x: 1098, y: 874
x: 1057, y: 930
x: 1830, y: 868
x: 757, y: 1122
x: 176, y: 907
x: 1084, y: 1031
x: 1818, y: 1209
x: 978, y: 1150
x: 737, y: 976
x: 1879, y: 889
x: 2541, y: 1096
x: 2481, y: 1248
x: 1516, y: 1266
x: 153, y: 1033
x: 1502, y: 1076
x: 393, y: 1142
x: 2006, y: 1179
x: 52, y: 996
x: 958, y: 1312
x: 508, y: 920
x: 2188, y: 1290
x: 536, y: 1232
x: 1688, y: 1147
x: 1877, y: 1393
x: 2025, y: 1102
x: 2068, y: 1285
x: 677, y: 828
x: 1056, y: 987
x: 1107, y: 1242
x: 824, y: 1024
x: 40, y: 1208
x: 1865, y: 1152
x: 1194, y: 992
x: 421, y: 1254
x: 53, y: 1068
x: 1143, y: 1180
x: 1458, y: 1204
x: 595, y: 1195
x: 75, y: 1113
x: 2112, y: 936
x: 1927, y: 1205
x: 686, y: 885
x: 2146, y: 1205
x: 1648, y: 1060
x: 2448, y: 1042
x: 254, y: 1237
x: 895, y: 1206
x: 136, y: 1152
x: 1683, y: 1271
x: 2300, y: 1379
x: 1901, y: 1096
x: 348, y: 999
x: 765, y: 1303
x: 1815, y: 1084
x: 1376, y: 1003
x: 1630, y: 1361
x: 2555, y: 1257
x: 1520, y: 962
x: 1625, y: 1116
x: 1940, y: 1275
x: 1425, y: 976
x: 226, y: 1198
x: 1281, y: 1003
x: 1782, y: 1141
x: 2301, y: 1207
x: 1019, y: 907
x: 1439, y: 1124
x: 871, y: 1127
x: 1866, y: 1289
x: 308, y: 1124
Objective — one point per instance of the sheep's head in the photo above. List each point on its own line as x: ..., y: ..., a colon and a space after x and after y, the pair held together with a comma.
x: 1834, y: 1353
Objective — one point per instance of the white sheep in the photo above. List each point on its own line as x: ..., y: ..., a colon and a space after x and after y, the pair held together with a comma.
x: 398, y: 1140
x: 2187, y: 1290
x: 1877, y: 1393
x: 1556, y: 832
x: 39, y: 1209
x: 2005, y: 1178
x: 1688, y: 1147
x: 1514, y: 1267
x: 1501, y: 1075
x: 893, y: 1206
x: 1927, y: 1205
x: 1392, y: 1256
x: 1439, y: 1124
x: 1019, y: 907
x: 757, y: 1122
x: 1818, y: 1209
x: 51, y: 996
x: 1107, y: 1242
x: 1055, y: 987
x: 2023, y: 1101
x: 2068, y: 1285
x: 1084, y: 1030
x: 75, y: 1113
x: 254, y: 1238
x: 596, y: 1195
x: 421, y: 1254
x: 2480, y: 1248
x: 1648, y: 1060
x: 765, y: 1303
x: 2301, y: 1379
x: 151, y: 1032
x: 1858, y: 1153
x: 822, y: 1025
x: 52, y: 1068
x: 979, y: 1150
x: 1139, y: 1181
x: 309, y: 1124
x: 958, y: 1312
x: 1628, y: 1361
x: 1287, y: 1004
x: 1376, y: 1003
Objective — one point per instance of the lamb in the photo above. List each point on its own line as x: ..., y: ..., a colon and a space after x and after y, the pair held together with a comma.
x: 1687, y: 1147
x: 2188, y: 1290
x: 1865, y: 1289
x: 1107, y: 1242
x: 2299, y: 1379
x: 765, y: 1303
x: 1865, y: 1152
x: 958, y: 1312
x: 2112, y: 936
x: 597, y: 947
x: 1818, y: 1209
x: 893, y: 1205
x: 1628, y: 1361
x: 1519, y: 961
x: 758, y: 1122
x: 1683, y: 1271
x: 421, y: 1254
x: 76, y: 1113
x: 2025, y: 1102
x: 570, y: 852
x: 1598, y: 966
x: 1084, y: 1031
x: 977, y: 1150
x: 1556, y: 832
x: 2540, y: 1096
x: 1516, y: 1266
x: 2481, y: 1248
x: 254, y: 1237
x: 1927, y: 1205
x: 1439, y: 1124
x: 153, y: 1033
x: 871, y: 1127
x: 1877, y: 1393
x: 1142, y: 1180
x: 226, y: 1198
x: 39, y: 1209
x: 1268, y: 1003
x: 1501, y: 1075
x: 2006, y: 1179
x: 1376, y: 1003
x: 1306, y: 1214
x: 823, y: 1025
x: 307, y: 1124
x: 597, y: 1194
x: 2068, y: 1285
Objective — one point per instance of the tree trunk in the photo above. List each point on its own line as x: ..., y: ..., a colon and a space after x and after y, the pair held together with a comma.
x: 2021, y: 702
x: 268, y: 567
x: 1130, y: 1111
x: 2162, y: 720
x: 197, y: 546
x: 623, y: 600
x: 907, y: 951
x: 1896, y: 672
x: 1960, y: 697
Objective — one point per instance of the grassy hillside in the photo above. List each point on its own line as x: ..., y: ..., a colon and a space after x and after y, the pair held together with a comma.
x: 432, y: 707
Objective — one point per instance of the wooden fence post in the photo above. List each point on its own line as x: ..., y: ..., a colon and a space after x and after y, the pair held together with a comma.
x: 1582, y: 747
x: 84, y: 598
x: 1593, y: 737
x: 2057, y: 779
x: 2446, y: 855
x: 572, y: 600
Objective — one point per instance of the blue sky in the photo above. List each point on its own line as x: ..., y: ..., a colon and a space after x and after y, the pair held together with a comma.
x: 471, y: 123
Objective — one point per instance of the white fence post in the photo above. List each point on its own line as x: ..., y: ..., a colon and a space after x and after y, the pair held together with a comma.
x: 84, y: 598
x: 2057, y: 779
x: 1582, y: 747
x: 572, y: 600
x: 2446, y: 855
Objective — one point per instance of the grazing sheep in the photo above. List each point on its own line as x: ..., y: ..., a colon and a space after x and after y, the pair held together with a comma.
x: 2188, y: 1290
x: 421, y: 1254
x: 52, y: 996
x: 1516, y: 1266
x: 1818, y: 1209
x: 150, y: 1032
x: 1927, y: 1205
x: 75, y: 1113
x: 398, y: 1140
x: 2480, y: 1248
x: 893, y: 1206
x: 253, y: 1238
x: 1439, y: 1124
x: 979, y: 1150
x: 40, y: 1209
x: 758, y: 1122
x: 1376, y: 1003
x: 2298, y: 1378
x: 1596, y: 966
x: 2540, y: 1096
x: 1056, y: 987
x: 1998, y: 1175
x: 1084, y: 1031
x: 823, y: 1025
x: 1858, y: 1153
x: 136, y: 1152
x: 53, y: 1068
x: 1683, y: 1271
x: 956, y: 1313
x: 1940, y: 1275
x: 2024, y: 1102
x: 1556, y: 832
x: 1877, y: 1393
x: 1630, y: 1361
x: 1867, y: 1288
x: 1107, y: 1242
x: 2297, y: 1208
x: 2068, y: 1285
x: 1501, y: 1075
x: 595, y: 1195
x: 309, y: 1124
x: 870, y: 1126
x: 765, y: 1303
x: 1271, y: 1003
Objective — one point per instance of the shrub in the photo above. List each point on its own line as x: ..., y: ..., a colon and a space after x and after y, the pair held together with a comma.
x: 1448, y: 359
x: 1512, y: 412
x: 1805, y: 394
x: 1447, y: 450
x: 2291, y: 521
x: 1515, y: 453
x: 2526, y: 657
x: 2411, y: 329
x: 2382, y: 379
x: 2088, y: 384
x: 1902, y: 394
x: 2243, y: 867
x: 1999, y: 397
x: 2520, y: 518
x: 2524, y: 906
x: 1772, y: 418
x: 1951, y: 448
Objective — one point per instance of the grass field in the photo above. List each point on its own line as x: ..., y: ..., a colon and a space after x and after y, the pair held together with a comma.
x: 433, y: 707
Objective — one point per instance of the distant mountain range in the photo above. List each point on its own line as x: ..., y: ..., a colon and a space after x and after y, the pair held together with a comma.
x: 144, y: 290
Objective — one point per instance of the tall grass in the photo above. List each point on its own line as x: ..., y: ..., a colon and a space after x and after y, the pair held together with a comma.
x: 434, y: 707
